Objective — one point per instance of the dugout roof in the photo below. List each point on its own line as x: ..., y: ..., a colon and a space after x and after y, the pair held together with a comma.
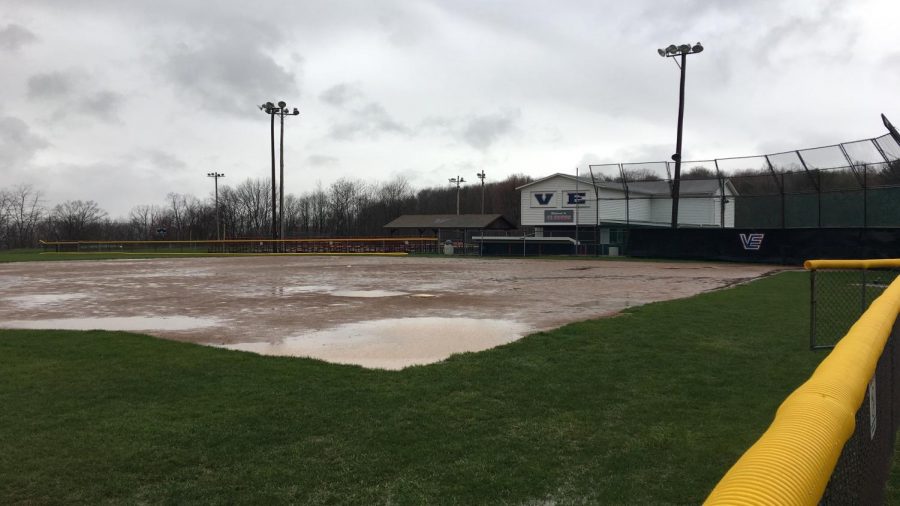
x: 451, y: 221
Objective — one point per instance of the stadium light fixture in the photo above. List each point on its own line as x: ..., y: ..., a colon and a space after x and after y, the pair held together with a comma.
x: 216, y: 175
x: 683, y: 51
x: 481, y: 176
x: 457, y: 181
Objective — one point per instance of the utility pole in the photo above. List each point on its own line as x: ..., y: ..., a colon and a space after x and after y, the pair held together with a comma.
x: 216, y: 175
x: 457, y: 181
x: 481, y: 177
x: 669, y: 52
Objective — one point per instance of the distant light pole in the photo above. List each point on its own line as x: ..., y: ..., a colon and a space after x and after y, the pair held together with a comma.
x: 481, y: 177
x: 216, y: 175
x: 457, y: 181
x: 671, y: 52
x: 281, y: 110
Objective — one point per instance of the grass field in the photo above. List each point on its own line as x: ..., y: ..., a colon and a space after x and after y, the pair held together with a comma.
x: 652, y: 406
x: 37, y: 255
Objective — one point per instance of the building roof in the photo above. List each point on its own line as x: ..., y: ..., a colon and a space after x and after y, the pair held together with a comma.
x: 653, y: 188
x: 437, y: 221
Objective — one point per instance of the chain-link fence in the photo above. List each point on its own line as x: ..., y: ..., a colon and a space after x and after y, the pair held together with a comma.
x: 832, y: 439
x: 865, y: 462
x: 852, y: 184
x: 838, y: 297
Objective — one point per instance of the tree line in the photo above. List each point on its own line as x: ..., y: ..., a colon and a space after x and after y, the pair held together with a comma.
x: 345, y: 208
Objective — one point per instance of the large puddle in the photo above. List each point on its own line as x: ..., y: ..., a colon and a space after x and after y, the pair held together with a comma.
x: 128, y: 323
x: 393, y: 343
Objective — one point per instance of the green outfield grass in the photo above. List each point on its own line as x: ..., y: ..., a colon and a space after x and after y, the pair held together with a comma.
x: 37, y: 255
x: 651, y: 406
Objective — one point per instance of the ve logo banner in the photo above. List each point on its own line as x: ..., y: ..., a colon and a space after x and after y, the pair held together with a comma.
x: 752, y: 242
x: 543, y: 199
x: 575, y: 198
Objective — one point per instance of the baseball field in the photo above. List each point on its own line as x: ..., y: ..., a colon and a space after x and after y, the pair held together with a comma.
x: 596, y: 382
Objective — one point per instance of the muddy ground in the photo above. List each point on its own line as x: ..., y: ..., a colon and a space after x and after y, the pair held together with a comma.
x: 372, y: 311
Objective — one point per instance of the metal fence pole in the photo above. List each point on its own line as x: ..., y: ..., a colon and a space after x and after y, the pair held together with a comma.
x: 722, y: 190
x: 778, y: 183
x: 862, y: 305
x: 816, y: 185
x: 812, y: 309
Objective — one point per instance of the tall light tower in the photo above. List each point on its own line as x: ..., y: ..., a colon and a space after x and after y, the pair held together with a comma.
x: 457, y: 181
x: 671, y: 52
x: 481, y: 176
x: 280, y: 110
x: 216, y: 175
x: 270, y: 109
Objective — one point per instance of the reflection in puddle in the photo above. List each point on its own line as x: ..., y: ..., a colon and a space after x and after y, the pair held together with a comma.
x: 306, y: 289
x: 44, y: 299
x: 394, y: 343
x: 117, y: 323
x: 366, y: 293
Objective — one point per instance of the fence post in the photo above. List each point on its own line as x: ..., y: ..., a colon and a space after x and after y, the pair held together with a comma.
x: 722, y: 190
x: 812, y: 309
x: 862, y: 307
x: 627, y: 197
x: 778, y: 183
x: 865, y: 195
x: 816, y: 184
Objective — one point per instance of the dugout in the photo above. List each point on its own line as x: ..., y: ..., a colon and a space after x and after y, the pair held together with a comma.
x: 458, y: 228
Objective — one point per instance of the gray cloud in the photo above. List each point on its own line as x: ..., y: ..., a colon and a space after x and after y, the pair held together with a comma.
x: 163, y: 160
x: 104, y: 105
x: 229, y: 74
x: 18, y: 143
x: 341, y: 94
x: 477, y: 131
x: 51, y: 85
x: 13, y: 37
x: 481, y: 132
x: 370, y: 120
x: 322, y: 160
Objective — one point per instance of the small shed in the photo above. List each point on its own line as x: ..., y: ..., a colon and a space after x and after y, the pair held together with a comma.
x: 448, y: 226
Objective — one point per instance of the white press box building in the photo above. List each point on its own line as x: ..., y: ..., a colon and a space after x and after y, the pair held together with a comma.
x: 555, y: 204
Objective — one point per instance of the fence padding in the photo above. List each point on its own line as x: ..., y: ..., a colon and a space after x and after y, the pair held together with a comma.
x: 882, y: 263
x: 793, y: 460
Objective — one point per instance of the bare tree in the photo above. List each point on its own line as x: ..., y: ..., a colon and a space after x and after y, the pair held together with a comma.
x: 76, y: 219
x: 25, y: 211
x: 144, y: 221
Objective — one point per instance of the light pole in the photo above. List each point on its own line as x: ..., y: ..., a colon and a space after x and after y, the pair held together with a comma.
x: 281, y: 110
x: 481, y: 177
x: 671, y: 52
x: 457, y: 181
x: 270, y: 109
x: 216, y: 175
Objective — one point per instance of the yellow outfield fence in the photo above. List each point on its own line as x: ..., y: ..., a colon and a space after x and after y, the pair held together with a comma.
x: 306, y: 246
x: 832, y: 439
x: 881, y: 263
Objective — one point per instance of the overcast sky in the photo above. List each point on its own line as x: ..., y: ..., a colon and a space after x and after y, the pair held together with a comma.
x: 122, y: 102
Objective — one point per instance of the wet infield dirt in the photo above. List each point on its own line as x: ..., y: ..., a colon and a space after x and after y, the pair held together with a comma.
x: 383, y: 312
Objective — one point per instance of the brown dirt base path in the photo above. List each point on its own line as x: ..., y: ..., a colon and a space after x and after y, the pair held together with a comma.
x: 383, y: 312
